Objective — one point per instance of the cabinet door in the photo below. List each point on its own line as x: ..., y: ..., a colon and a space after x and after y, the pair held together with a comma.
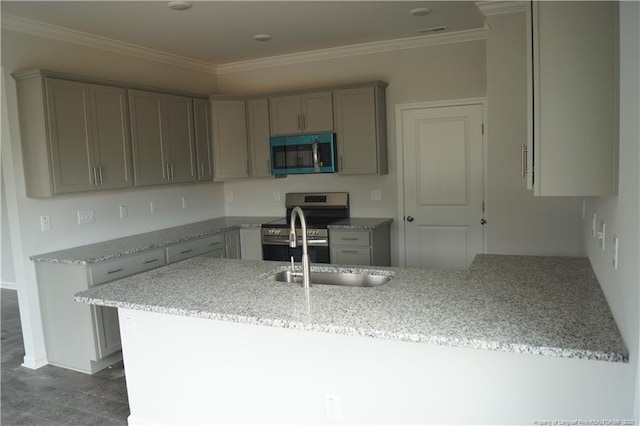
x: 69, y: 136
x: 230, y: 139
x: 350, y: 255
x: 250, y: 244
x: 355, y: 120
x: 258, y: 127
x: 317, y: 112
x: 149, y: 156
x: 178, y: 139
x: 201, y: 118
x: 575, y: 98
x: 107, y: 330
x: 285, y: 115
x: 110, y: 136
x: 233, y: 244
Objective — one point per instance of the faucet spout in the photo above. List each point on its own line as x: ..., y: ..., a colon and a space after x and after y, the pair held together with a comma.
x: 293, y: 243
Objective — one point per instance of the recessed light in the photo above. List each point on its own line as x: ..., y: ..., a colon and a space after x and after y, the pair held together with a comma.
x: 432, y: 30
x: 420, y: 11
x: 262, y: 37
x: 179, y: 5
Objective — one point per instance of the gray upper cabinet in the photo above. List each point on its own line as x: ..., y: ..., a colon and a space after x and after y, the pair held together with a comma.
x: 572, y: 147
x: 204, y: 149
x: 75, y: 135
x: 305, y: 113
x: 231, y: 157
x: 258, y: 131
x: 162, y: 138
x: 240, y: 138
x: 361, y: 132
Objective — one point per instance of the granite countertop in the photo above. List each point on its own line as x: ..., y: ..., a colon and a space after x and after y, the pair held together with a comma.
x: 111, y: 249
x: 538, y: 305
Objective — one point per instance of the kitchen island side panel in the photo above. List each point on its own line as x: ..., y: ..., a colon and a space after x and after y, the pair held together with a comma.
x: 215, y: 372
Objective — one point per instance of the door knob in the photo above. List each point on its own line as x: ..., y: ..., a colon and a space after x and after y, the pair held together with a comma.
x: 482, y: 221
x: 409, y: 218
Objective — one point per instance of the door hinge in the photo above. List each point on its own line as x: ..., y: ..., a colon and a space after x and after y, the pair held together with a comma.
x: 483, y: 207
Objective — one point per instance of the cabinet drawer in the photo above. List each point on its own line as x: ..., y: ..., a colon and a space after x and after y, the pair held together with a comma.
x: 350, y: 255
x: 349, y: 238
x: 193, y: 248
x: 129, y: 265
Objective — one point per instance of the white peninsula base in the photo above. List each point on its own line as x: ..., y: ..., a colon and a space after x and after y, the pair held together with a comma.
x: 183, y: 370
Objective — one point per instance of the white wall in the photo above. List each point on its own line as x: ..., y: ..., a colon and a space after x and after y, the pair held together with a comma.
x: 21, y: 51
x: 622, y: 213
x: 518, y: 222
x: 7, y: 273
x: 441, y: 72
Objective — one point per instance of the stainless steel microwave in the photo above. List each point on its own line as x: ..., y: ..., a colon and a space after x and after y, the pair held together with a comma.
x: 303, y: 154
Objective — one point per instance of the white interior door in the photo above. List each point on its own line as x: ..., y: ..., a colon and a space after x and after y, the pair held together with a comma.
x: 443, y: 186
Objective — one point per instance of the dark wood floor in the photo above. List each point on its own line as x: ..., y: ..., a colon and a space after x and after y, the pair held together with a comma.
x: 52, y: 395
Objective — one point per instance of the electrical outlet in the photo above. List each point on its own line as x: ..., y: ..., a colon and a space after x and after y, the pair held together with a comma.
x: 229, y: 197
x: 86, y: 216
x: 333, y: 410
x: 185, y: 202
x: 123, y: 211
x: 276, y: 195
x: 45, y: 223
x: 615, y: 252
x: 601, y: 234
x: 376, y: 195
x: 153, y: 206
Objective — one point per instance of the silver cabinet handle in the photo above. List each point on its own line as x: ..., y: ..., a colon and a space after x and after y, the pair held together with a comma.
x: 186, y: 251
x: 100, y: 174
x: 202, y: 169
x: 95, y: 176
x: 171, y: 169
x: 114, y: 271
x: 146, y: 262
x: 523, y: 160
x: 299, y: 126
x: 349, y: 238
x: 304, y: 121
x: 166, y: 170
x: 349, y: 251
x: 217, y: 243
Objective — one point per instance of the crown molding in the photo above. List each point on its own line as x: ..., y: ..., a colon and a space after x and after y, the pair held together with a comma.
x: 41, y: 29
x: 493, y: 8
x: 353, y: 50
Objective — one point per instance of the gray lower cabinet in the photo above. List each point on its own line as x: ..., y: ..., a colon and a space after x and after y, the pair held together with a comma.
x: 224, y: 245
x: 162, y: 138
x: 250, y: 244
x: 75, y: 135
x: 82, y: 337
x: 360, y: 247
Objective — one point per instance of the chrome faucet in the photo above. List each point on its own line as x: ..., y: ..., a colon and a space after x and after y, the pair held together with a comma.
x: 293, y: 243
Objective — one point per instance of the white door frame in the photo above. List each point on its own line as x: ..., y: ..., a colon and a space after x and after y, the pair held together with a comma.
x: 400, y: 108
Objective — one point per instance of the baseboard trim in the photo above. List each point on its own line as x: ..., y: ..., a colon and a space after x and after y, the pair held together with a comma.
x: 8, y: 286
x: 34, y: 363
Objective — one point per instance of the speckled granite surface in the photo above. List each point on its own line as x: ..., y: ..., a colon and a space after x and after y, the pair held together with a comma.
x: 357, y: 223
x: 99, y: 252
x: 537, y: 305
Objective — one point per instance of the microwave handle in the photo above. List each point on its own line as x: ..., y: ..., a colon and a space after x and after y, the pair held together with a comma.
x: 316, y: 160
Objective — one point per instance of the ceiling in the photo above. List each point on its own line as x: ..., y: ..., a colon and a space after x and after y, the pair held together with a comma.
x: 221, y: 32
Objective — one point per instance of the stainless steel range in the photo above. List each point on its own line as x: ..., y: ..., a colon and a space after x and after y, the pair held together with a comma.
x: 321, y: 209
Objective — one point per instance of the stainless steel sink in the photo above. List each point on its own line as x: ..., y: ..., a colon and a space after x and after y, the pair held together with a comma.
x: 334, y: 278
